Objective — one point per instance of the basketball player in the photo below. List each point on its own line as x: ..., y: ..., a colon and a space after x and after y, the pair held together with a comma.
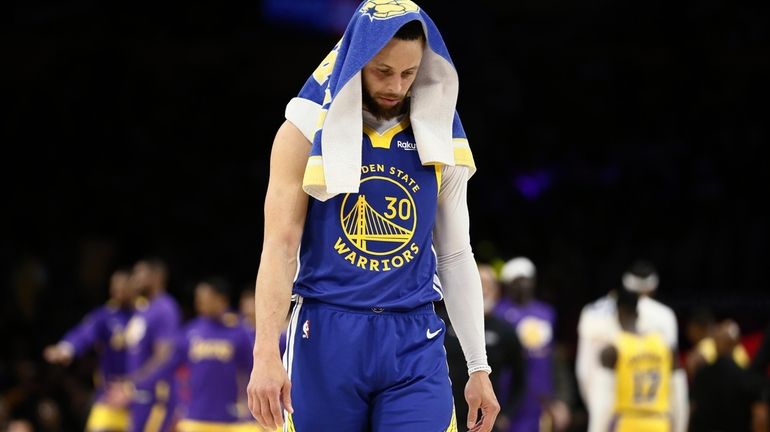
x: 150, y: 339
x: 503, y: 350
x: 103, y: 329
x: 700, y: 332
x: 725, y: 396
x: 642, y: 365
x: 599, y: 326
x: 365, y: 347
x: 544, y: 404
x: 216, y: 347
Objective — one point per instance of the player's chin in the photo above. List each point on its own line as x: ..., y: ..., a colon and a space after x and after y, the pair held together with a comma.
x: 390, y: 111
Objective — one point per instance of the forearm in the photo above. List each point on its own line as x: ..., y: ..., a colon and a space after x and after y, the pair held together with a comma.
x: 680, y: 408
x: 273, y: 296
x: 158, y: 367
x: 602, y: 402
x: 585, y: 354
x: 151, y: 369
x: 285, y: 211
x: 81, y: 337
x: 457, y: 269
x: 465, y: 306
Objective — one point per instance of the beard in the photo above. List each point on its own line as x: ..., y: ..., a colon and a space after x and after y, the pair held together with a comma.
x: 384, y: 112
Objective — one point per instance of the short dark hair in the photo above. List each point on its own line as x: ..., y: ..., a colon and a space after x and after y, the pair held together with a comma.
x: 410, y: 31
x: 642, y: 269
x: 702, y: 316
x: 219, y: 285
x: 124, y: 269
x: 156, y: 264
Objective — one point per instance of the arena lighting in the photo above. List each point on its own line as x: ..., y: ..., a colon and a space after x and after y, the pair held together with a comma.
x: 534, y: 184
x: 325, y: 15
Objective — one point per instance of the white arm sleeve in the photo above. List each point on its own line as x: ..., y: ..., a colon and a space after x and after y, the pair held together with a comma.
x: 680, y: 405
x: 303, y: 114
x: 457, y: 269
x: 595, y: 382
x: 604, y: 397
x: 585, y: 357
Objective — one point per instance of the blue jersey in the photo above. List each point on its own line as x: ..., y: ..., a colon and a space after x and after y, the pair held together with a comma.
x: 373, y: 248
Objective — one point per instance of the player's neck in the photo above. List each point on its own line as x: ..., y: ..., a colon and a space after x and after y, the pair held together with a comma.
x: 628, y: 324
x: 381, y: 124
x: 155, y: 292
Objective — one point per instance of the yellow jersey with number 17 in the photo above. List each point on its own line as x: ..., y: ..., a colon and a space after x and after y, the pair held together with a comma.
x: 643, y: 382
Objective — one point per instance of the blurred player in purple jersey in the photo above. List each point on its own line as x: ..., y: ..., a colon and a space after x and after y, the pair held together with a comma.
x: 503, y: 350
x: 104, y: 330
x: 216, y: 347
x: 541, y: 407
x: 150, y: 339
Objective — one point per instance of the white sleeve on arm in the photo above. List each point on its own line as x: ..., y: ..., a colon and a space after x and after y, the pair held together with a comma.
x: 457, y: 269
x: 303, y: 114
x: 680, y: 404
x: 603, y: 400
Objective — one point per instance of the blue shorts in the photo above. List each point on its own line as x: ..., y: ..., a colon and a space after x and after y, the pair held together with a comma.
x: 356, y: 370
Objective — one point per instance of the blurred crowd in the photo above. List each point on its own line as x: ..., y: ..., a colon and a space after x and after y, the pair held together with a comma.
x: 149, y: 370
x: 140, y: 358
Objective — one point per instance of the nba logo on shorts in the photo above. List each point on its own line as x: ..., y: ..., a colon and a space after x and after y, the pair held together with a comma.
x: 306, y: 330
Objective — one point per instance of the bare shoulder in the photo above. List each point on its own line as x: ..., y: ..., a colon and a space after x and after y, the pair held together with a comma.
x: 290, y: 138
x: 290, y: 151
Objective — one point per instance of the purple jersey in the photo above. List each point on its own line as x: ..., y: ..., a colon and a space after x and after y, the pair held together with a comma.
x: 218, y: 353
x: 103, y: 329
x: 153, y: 322
x: 534, y: 324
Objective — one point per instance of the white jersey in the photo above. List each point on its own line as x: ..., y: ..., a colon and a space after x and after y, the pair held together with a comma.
x: 599, y: 327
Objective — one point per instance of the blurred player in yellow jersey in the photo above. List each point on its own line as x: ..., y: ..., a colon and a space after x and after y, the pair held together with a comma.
x: 642, y: 365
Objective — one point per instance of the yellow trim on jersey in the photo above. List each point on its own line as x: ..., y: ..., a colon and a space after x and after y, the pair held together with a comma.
x: 463, y: 154
x: 320, y: 120
x: 634, y: 423
x: 202, y: 426
x: 105, y: 417
x: 289, y: 425
x: 157, y: 416
x: 314, y: 172
x: 708, y: 349
x: 439, y: 172
x: 162, y: 391
x: 452, y: 423
x: 382, y: 140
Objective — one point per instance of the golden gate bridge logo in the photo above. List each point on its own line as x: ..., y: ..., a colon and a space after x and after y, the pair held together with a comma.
x: 383, y: 231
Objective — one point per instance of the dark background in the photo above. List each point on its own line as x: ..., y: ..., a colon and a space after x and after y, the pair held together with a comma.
x: 603, y: 131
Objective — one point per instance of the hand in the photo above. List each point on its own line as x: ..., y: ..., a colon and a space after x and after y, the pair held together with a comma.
x: 479, y: 395
x: 269, y: 386
x: 58, y: 354
x: 119, y: 394
x: 559, y: 414
x: 503, y: 423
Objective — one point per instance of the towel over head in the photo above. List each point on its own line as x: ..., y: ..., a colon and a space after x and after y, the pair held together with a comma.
x: 328, y: 109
